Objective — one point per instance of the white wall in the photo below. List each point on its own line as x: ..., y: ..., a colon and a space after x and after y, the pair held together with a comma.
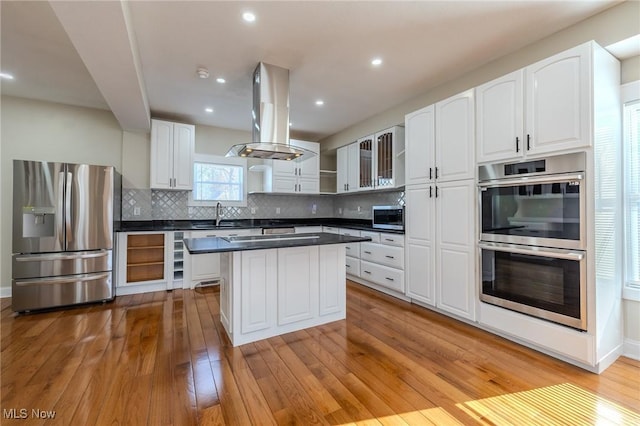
x: 612, y: 25
x: 33, y: 130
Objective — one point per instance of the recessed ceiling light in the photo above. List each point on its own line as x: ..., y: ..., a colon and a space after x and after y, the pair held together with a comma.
x: 248, y: 17
x: 319, y: 102
x: 5, y: 75
x: 376, y: 62
x: 221, y: 80
x: 208, y: 109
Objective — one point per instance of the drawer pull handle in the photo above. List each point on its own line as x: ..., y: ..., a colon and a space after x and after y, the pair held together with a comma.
x: 348, y: 248
x: 348, y: 266
x: 389, y: 257
x: 390, y: 279
x: 389, y: 239
x: 367, y: 272
x: 368, y: 252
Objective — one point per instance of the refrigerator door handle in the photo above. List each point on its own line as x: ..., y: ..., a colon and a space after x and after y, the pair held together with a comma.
x: 72, y: 256
x: 63, y: 279
x: 60, y: 207
x: 67, y: 206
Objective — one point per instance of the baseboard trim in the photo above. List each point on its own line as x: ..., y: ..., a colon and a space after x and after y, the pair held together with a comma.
x: 5, y: 292
x: 631, y: 349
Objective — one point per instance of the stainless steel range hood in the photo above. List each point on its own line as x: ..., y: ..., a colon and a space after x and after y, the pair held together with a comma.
x: 270, y: 118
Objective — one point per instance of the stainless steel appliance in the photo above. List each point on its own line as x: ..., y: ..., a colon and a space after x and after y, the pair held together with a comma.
x: 63, y: 217
x: 539, y: 202
x: 388, y: 217
x: 532, y: 243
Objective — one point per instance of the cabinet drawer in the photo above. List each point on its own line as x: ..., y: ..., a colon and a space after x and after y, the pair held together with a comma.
x: 375, y: 236
x: 353, y: 266
x: 392, y: 239
x: 381, y: 254
x: 350, y: 232
x: 352, y: 249
x: 382, y: 275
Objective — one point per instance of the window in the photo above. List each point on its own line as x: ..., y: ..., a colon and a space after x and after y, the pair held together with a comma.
x: 631, y: 164
x: 219, y: 179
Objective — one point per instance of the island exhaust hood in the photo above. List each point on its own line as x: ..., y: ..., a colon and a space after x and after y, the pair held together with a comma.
x: 270, y: 118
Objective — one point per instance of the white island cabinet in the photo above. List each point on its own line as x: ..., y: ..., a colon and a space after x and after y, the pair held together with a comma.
x: 265, y: 293
x: 276, y: 284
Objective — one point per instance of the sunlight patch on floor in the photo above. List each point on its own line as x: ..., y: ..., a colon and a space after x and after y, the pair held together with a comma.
x: 563, y: 404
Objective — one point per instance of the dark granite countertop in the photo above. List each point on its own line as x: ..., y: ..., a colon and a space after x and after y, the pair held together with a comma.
x: 262, y: 242
x: 195, y: 225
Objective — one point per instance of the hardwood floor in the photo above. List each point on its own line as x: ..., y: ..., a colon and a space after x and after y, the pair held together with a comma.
x: 163, y: 358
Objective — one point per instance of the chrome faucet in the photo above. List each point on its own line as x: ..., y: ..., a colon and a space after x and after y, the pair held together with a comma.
x: 218, y: 213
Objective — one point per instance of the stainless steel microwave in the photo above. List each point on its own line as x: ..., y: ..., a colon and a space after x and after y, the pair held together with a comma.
x: 388, y: 217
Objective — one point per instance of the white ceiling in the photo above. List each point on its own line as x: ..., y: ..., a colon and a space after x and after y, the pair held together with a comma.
x: 134, y: 56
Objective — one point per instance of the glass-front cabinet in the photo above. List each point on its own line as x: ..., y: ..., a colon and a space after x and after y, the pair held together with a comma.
x: 379, y: 162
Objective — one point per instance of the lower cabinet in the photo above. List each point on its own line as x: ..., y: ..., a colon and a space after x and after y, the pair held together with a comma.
x: 205, y: 268
x: 264, y: 293
x: 143, y: 260
x: 441, y: 235
x: 379, y: 263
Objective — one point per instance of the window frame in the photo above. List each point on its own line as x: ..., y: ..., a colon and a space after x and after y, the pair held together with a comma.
x: 630, y: 93
x: 223, y: 161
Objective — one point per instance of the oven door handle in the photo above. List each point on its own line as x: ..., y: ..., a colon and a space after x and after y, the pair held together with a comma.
x: 533, y: 251
x: 533, y: 180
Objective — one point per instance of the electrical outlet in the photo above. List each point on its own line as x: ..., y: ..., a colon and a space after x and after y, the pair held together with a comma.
x: 339, y: 210
x: 313, y: 209
x: 277, y: 210
x: 136, y: 211
x: 253, y: 210
x: 359, y: 209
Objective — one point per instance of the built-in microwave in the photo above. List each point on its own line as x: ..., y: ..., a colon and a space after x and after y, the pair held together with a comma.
x: 388, y: 217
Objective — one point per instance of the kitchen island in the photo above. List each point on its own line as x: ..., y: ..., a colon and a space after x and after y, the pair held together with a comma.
x: 276, y: 284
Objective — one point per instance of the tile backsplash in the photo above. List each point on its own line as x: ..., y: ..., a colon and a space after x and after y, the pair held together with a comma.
x: 148, y: 204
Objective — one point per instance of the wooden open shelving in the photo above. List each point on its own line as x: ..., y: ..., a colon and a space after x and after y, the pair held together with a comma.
x: 145, y: 257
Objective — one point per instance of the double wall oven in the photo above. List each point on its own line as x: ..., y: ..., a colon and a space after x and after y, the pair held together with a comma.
x: 533, y: 239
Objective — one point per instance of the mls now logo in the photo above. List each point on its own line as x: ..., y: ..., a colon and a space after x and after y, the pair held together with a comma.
x: 23, y: 413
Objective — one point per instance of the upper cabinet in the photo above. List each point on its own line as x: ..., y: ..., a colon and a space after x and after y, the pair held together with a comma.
x: 172, y: 149
x: 420, y: 145
x: 372, y: 162
x: 348, y: 170
x: 454, y: 143
x: 542, y: 108
x: 296, y: 176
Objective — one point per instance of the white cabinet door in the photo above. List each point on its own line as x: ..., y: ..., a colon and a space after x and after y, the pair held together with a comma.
x: 353, y: 179
x: 455, y: 141
x: 420, y: 134
x: 172, y: 150
x: 558, y: 100
x: 332, y: 280
x: 456, y: 236
x: 342, y: 169
x: 420, y: 240
x: 258, y: 290
x: 309, y: 168
x: 284, y: 183
x: 297, y: 302
x: 308, y: 186
x: 183, y: 149
x: 499, y: 118
x: 161, y: 154
x: 294, y: 176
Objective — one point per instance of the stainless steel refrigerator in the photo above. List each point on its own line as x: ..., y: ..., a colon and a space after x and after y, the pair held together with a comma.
x: 63, y: 218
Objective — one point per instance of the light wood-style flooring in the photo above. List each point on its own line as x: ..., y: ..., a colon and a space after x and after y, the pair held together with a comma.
x: 163, y: 359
